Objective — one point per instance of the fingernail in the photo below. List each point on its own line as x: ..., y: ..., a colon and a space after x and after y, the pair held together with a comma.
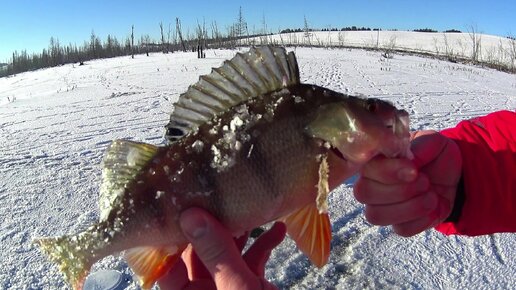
x: 407, y: 174
x: 194, y: 226
x: 430, y: 201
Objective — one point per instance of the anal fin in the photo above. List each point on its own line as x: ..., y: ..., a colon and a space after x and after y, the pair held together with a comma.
x: 311, y: 230
x: 150, y: 263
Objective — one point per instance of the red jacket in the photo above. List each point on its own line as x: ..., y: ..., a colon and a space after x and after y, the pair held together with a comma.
x: 488, y: 148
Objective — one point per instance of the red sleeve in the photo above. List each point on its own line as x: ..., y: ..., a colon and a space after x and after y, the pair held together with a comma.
x: 488, y: 148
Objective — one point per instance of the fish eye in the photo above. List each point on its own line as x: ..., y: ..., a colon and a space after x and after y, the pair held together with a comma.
x: 174, y: 132
x: 389, y: 123
x: 371, y: 105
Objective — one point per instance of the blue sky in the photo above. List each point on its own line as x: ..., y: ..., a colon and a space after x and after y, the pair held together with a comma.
x: 30, y: 24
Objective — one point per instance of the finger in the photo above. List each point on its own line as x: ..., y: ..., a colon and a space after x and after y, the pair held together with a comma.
x: 390, y: 170
x: 215, y: 247
x: 196, y: 269
x: 443, y: 160
x: 258, y: 254
x: 426, y: 145
x: 414, y: 227
x: 417, y: 226
x: 371, y: 192
x: 431, y: 220
x: 203, y: 284
x: 397, y: 213
x: 340, y: 169
x: 241, y: 241
x: 176, y: 278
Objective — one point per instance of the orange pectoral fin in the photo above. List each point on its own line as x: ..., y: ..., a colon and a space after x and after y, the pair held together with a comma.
x: 311, y: 231
x: 150, y: 263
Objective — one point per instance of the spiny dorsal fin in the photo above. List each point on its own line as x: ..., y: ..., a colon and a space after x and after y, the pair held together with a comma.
x: 311, y: 230
x: 122, y: 162
x: 247, y: 75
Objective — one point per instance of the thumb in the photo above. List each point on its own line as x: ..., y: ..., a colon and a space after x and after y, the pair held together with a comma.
x: 426, y: 146
x: 216, y: 249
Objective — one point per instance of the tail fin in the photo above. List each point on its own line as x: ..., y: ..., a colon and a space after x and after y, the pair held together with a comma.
x: 73, y: 259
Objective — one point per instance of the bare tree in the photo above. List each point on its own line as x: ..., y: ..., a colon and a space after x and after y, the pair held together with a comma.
x: 55, y: 52
x: 378, y: 39
x: 342, y: 38
x: 307, y: 33
x: 216, y: 36
x: 437, y: 47
x: 511, y: 51
x: 241, y: 28
x: 264, y: 40
x: 232, y: 36
x: 476, y: 41
x: 163, y: 45
x: 389, y: 47
x: 448, y: 50
x: 132, y: 41
x: 179, y: 33
x: 202, y: 34
x: 264, y: 25
x: 462, y: 47
x: 169, y: 33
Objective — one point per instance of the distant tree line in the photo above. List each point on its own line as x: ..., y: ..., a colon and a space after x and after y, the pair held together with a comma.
x: 425, y: 30
x: 435, y: 31
x: 452, y: 31
x: 357, y: 28
x: 350, y: 28
x: 57, y: 54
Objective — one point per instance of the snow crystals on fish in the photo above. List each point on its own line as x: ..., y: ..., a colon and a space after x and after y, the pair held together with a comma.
x: 132, y: 157
x: 234, y: 135
x: 198, y: 146
x: 159, y: 194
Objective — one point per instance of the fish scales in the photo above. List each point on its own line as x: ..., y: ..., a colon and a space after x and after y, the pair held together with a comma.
x: 250, y: 144
x: 250, y: 182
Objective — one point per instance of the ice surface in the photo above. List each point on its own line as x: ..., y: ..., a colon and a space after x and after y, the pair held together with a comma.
x: 54, y: 134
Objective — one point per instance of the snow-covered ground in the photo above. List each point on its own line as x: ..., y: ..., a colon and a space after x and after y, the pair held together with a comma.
x: 56, y: 123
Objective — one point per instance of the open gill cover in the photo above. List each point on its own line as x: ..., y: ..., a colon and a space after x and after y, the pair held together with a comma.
x: 247, y: 75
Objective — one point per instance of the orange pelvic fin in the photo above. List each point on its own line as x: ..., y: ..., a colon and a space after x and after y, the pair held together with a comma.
x: 311, y: 230
x: 150, y: 263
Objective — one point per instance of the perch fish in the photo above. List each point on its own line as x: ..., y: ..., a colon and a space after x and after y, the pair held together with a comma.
x: 250, y: 144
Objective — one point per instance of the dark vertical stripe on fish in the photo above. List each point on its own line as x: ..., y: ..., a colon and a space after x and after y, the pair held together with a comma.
x: 262, y: 169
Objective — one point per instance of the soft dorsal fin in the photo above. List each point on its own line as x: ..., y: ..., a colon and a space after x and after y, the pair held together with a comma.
x: 122, y: 162
x: 150, y: 263
x: 247, y: 75
x: 311, y: 231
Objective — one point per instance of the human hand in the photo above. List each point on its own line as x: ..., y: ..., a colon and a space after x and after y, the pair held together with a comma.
x: 412, y: 195
x: 217, y: 262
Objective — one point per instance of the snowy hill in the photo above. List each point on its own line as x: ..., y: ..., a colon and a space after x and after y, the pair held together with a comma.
x: 56, y: 123
x: 494, y: 50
